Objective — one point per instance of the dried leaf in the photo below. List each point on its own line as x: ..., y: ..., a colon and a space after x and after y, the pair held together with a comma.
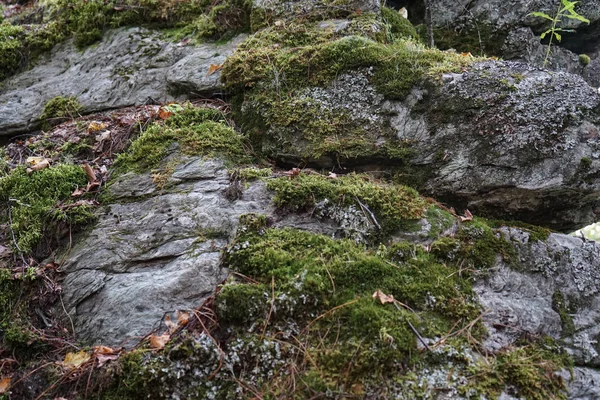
x: 104, y: 350
x: 164, y: 113
x: 159, y: 341
x: 75, y: 360
x: 96, y: 126
x: 78, y: 192
x: 171, y: 326
x: 5, y: 384
x: 332, y: 175
x: 467, y: 217
x: 382, y: 297
x: 103, y: 136
x: 184, y: 42
x: 183, y: 317
x: 214, y: 68
x: 37, y: 163
x: 467, y: 54
x: 90, y: 173
x: 104, y: 358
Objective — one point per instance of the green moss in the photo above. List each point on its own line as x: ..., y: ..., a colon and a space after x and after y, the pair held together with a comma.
x: 397, y: 67
x: 536, y: 233
x: 559, y: 304
x: 59, y: 109
x: 254, y: 173
x: 33, y: 198
x: 11, y: 48
x: 197, y: 132
x: 398, y: 27
x: 476, y: 245
x: 584, y: 60
x: 531, y: 369
x: 392, y: 205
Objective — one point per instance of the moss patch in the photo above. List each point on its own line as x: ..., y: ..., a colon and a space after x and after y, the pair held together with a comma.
x: 392, y: 205
x: 58, y: 110
x: 530, y: 369
x: 33, y: 200
x: 199, y: 131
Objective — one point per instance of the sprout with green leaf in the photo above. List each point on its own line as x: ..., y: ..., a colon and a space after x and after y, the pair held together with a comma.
x: 566, y: 9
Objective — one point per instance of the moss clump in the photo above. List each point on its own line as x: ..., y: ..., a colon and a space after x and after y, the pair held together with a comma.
x: 320, y: 283
x: 584, y: 60
x: 392, y: 205
x: 11, y: 49
x: 561, y: 306
x: 397, y: 67
x: 32, y: 199
x: 199, y: 131
x: 60, y: 109
x: 530, y: 369
x: 476, y: 245
x: 536, y: 233
x: 398, y: 27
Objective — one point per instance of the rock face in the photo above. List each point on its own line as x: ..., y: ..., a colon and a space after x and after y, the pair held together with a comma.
x: 553, y: 289
x: 151, y: 257
x: 517, y: 32
x: 129, y: 67
x: 503, y: 139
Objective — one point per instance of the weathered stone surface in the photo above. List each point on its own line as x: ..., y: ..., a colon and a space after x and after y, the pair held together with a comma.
x: 502, y: 139
x: 146, y: 258
x: 553, y: 289
x: 129, y: 67
x: 584, y: 384
x: 287, y: 8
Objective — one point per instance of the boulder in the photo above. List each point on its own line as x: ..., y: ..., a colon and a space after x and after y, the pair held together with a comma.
x: 128, y: 67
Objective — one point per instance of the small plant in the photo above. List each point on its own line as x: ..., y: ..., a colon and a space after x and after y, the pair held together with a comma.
x: 566, y: 9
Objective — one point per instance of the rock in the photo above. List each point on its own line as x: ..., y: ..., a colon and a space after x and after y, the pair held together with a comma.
x: 503, y: 139
x: 128, y: 67
x: 286, y: 9
x: 552, y: 289
x: 584, y: 383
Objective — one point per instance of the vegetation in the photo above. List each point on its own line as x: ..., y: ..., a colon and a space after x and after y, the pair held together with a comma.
x: 86, y: 21
x: 198, y: 131
x: 566, y: 9
x: 32, y: 202
x: 58, y: 110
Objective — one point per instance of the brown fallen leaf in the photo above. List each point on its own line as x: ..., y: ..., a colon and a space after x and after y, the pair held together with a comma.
x: 382, y: 297
x: 292, y: 172
x: 183, y: 317
x: 332, y: 175
x: 90, y: 173
x: 214, y: 68
x: 75, y: 360
x: 96, y: 126
x: 37, y: 163
x: 104, y: 358
x: 5, y: 384
x: 467, y: 217
x: 164, y: 113
x: 158, y: 342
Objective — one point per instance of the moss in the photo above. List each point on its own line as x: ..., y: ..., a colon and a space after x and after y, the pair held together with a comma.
x: 530, y: 369
x: 197, y: 132
x: 59, y: 109
x: 584, y: 60
x: 86, y: 22
x: 33, y: 199
x: 398, y: 27
x: 560, y: 305
x: 254, y: 173
x: 11, y: 48
x: 392, y: 205
x: 536, y: 233
x: 397, y: 67
x: 476, y: 245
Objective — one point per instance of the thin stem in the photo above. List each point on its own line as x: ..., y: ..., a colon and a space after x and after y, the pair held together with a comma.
x: 552, y: 30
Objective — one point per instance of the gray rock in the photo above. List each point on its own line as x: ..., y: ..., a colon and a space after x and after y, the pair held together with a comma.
x: 553, y: 289
x: 503, y: 139
x: 583, y: 384
x: 129, y: 67
x: 147, y: 258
